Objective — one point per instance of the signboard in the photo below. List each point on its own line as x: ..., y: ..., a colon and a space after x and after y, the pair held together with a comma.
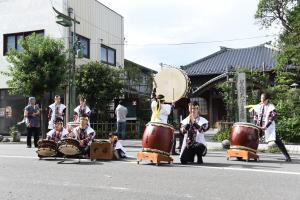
x: 242, y: 98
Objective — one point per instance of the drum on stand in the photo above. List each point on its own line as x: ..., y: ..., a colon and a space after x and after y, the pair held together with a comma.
x: 69, y: 147
x: 46, y: 148
x: 173, y: 83
x: 158, y: 138
x: 244, y: 141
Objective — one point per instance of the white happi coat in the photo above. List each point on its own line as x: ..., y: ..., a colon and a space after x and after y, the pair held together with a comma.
x: 120, y: 146
x: 77, y: 110
x: 61, y: 108
x: 88, y: 131
x: 64, y: 133
x: 270, y: 132
x: 200, y: 135
x: 165, y: 110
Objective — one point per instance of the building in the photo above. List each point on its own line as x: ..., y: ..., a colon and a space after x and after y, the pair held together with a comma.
x: 101, y: 34
x: 207, y: 72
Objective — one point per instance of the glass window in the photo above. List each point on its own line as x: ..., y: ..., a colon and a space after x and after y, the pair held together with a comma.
x: 19, y: 47
x: 108, y: 55
x: 103, y: 54
x: 11, y: 42
x: 84, y: 44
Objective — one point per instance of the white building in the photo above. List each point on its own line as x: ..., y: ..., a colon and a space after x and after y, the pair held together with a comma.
x: 101, y: 31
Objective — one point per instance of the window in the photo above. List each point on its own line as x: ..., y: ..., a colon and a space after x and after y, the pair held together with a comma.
x: 11, y: 41
x: 108, y: 55
x: 84, y: 44
x: 202, y: 105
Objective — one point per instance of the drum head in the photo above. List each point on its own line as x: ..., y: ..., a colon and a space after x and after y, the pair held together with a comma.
x: 46, y: 152
x: 69, y: 149
x: 173, y: 83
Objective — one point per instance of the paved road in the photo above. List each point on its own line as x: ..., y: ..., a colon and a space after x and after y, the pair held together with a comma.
x: 24, y: 176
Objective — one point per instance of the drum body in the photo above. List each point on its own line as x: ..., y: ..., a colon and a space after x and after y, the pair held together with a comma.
x: 158, y: 138
x: 46, y: 148
x: 71, y: 126
x: 173, y: 83
x: 244, y: 136
x: 69, y: 147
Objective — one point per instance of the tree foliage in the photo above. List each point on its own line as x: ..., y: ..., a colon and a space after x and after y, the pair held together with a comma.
x: 99, y: 84
x: 40, y: 67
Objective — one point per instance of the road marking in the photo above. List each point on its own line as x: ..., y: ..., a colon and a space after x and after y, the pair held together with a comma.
x: 190, y: 166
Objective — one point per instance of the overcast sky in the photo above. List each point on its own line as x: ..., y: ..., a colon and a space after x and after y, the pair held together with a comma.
x: 149, y: 24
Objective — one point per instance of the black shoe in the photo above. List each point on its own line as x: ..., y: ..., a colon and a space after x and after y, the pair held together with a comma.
x: 175, y: 153
x: 288, y: 160
x: 28, y: 146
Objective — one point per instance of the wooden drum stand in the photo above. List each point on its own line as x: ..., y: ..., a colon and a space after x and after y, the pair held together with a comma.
x: 242, y: 153
x: 154, y: 157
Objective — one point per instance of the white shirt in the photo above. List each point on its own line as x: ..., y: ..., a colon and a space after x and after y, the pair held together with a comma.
x: 165, y: 110
x: 87, y: 111
x: 121, y: 112
x: 63, y: 132
x: 61, y: 108
x: 200, y: 135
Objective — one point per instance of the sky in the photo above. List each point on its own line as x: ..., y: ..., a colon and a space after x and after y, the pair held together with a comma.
x: 154, y: 29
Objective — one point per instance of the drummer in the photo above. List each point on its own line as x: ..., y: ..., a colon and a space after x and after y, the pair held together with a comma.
x: 84, y: 134
x: 264, y: 117
x: 193, y: 128
x: 160, y: 110
x: 59, y: 132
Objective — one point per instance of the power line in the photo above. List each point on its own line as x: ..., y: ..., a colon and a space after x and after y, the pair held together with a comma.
x: 192, y: 43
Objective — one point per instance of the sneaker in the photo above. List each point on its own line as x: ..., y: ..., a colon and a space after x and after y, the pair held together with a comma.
x: 288, y: 160
x: 28, y: 146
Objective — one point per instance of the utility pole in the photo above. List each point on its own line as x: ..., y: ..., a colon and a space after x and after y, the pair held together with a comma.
x: 68, y: 21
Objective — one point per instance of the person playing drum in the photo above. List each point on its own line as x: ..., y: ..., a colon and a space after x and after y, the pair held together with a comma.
x: 160, y: 110
x: 81, y: 109
x: 56, y: 109
x: 84, y: 134
x: 264, y: 116
x: 193, y: 128
x: 59, y: 132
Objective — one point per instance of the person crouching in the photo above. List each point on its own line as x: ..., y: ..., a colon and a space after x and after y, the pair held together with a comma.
x: 118, y: 149
x: 84, y: 134
x: 194, y: 143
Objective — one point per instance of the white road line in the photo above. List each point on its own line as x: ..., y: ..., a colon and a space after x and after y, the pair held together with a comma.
x: 190, y: 166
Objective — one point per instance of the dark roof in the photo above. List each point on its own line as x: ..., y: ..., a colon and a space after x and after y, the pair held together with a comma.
x: 255, y: 58
x: 141, y: 66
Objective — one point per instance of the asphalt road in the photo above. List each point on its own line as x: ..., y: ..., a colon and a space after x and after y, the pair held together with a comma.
x: 24, y: 176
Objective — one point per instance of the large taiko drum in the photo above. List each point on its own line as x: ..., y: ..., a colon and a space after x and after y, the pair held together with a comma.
x: 173, y: 83
x: 158, y: 138
x: 71, y: 126
x: 245, y: 136
x: 46, y: 148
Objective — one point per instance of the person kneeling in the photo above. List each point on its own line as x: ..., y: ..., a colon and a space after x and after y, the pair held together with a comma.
x: 84, y: 134
x: 118, y: 149
x: 193, y: 128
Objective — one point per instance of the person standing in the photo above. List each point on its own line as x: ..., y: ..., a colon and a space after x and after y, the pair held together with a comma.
x: 56, y: 109
x: 264, y: 117
x: 121, y: 113
x: 194, y: 142
x: 81, y: 109
x: 32, y: 121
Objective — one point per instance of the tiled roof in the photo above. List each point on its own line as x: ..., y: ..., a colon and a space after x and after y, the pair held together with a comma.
x: 255, y: 58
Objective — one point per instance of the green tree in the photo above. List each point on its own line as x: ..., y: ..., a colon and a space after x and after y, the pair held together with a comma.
x: 99, y: 84
x: 39, y: 68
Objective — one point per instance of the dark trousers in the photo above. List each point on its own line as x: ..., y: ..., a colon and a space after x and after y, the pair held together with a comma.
x: 35, y: 132
x: 85, y: 150
x: 282, y: 148
x: 189, y: 153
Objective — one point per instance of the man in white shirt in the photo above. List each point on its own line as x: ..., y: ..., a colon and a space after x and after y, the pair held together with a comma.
x: 121, y: 113
x: 194, y: 142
